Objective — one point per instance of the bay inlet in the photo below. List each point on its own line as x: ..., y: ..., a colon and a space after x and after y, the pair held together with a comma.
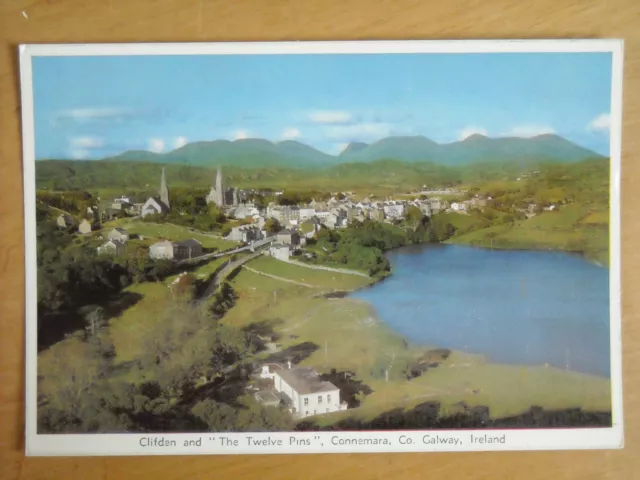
x: 513, y: 306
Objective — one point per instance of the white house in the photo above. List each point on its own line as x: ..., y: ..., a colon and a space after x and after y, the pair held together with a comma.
x: 245, y: 233
x: 306, y: 393
x: 161, y: 249
x: 85, y: 226
x: 306, y: 212
x: 153, y: 206
x: 280, y: 251
x: 119, y: 234
x: 458, y: 207
x: 112, y: 247
x: 393, y: 210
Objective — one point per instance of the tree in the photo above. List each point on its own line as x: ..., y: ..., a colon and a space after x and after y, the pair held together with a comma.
x: 414, y: 217
x: 272, y: 226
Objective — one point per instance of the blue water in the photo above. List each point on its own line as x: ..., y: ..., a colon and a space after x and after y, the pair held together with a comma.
x: 518, y: 307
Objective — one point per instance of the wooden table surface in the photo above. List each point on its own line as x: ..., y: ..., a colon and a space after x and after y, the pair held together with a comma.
x: 31, y: 21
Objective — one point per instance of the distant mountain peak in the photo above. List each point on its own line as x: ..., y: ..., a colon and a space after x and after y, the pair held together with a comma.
x: 475, y: 137
x: 353, y: 147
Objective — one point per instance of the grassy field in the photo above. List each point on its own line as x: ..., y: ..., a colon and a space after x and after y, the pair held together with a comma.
x: 506, y: 389
x: 320, y: 278
x: 157, y: 231
x: 571, y: 228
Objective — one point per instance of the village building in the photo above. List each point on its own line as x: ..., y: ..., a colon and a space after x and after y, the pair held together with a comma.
x: 189, y: 248
x: 65, y: 221
x: 161, y: 250
x: 458, y: 207
x: 288, y: 237
x: 245, y: 233
x: 112, y: 247
x: 159, y: 204
x: 165, y: 249
x: 305, y: 213
x: 123, y: 203
x: 280, y: 251
x: 305, y: 393
x: 479, y: 202
x: 436, y: 205
x: 85, y: 226
x: 119, y: 234
x: 245, y: 211
x: 393, y: 210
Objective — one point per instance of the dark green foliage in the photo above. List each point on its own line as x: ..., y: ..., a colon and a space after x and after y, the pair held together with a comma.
x: 272, y: 226
x: 253, y: 417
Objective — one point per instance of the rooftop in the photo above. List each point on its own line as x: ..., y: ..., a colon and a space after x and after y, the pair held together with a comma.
x: 190, y: 242
x: 305, y: 380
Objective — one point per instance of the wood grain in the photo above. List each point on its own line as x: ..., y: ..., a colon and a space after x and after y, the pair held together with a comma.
x: 31, y: 21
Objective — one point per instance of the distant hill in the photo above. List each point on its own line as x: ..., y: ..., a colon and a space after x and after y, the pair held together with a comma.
x: 476, y: 149
x: 246, y: 153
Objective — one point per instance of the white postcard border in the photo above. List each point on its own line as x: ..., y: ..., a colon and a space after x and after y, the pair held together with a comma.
x: 320, y: 442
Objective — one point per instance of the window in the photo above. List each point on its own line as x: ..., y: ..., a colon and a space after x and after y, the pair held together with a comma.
x: 306, y: 402
x: 320, y: 399
x: 328, y: 398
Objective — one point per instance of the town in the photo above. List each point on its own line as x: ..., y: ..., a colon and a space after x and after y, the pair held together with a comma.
x: 297, y: 222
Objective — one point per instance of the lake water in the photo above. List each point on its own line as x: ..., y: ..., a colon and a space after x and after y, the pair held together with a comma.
x: 518, y: 307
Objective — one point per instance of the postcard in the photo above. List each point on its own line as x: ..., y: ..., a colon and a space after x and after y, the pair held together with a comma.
x: 317, y: 247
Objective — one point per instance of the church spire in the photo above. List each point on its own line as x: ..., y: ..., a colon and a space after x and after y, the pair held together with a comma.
x: 164, y: 191
x: 219, y: 188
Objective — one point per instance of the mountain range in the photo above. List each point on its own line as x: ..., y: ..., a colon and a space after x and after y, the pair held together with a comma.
x: 252, y: 153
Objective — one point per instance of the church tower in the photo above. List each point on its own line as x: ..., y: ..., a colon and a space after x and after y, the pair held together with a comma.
x: 219, y: 189
x: 164, y: 191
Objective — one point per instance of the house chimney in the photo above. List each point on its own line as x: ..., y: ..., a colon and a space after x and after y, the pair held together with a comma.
x: 289, y: 364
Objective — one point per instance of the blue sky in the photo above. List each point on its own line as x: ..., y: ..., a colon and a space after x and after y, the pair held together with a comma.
x: 92, y: 107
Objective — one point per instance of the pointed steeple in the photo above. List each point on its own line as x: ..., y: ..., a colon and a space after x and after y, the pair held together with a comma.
x: 219, y: 188
x: 164, y: 191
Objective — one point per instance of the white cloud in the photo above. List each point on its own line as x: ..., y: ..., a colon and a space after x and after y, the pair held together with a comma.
x: 79, y: 153
x: 331, y: 117
x: 359, y: 132
x: 94, y: 113
x: 86, y: 142
x: 290, y: 133
x: 156, y: 145
x: 528, y: 131
x: 601, y: 123
x: 241, y: 135
x: 180, y: 142
x: 466, y: 132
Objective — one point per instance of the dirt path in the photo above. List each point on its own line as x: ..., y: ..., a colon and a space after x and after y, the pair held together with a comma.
x: 281, y: 279
x: 329, y: 269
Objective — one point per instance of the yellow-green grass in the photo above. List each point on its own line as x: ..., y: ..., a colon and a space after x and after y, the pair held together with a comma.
x: 563, y: 217
x: 506, y: 389
x: 321, y: 278
x: 168, y: 231
x: 550, y: 195
x: 596, y: 218
x: 463, y: 222
x: 130, y: 330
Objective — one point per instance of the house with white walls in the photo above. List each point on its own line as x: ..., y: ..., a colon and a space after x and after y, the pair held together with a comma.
x: 305, y: 393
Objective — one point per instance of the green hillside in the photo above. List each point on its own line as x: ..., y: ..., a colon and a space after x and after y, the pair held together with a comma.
x: 260, y: 153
